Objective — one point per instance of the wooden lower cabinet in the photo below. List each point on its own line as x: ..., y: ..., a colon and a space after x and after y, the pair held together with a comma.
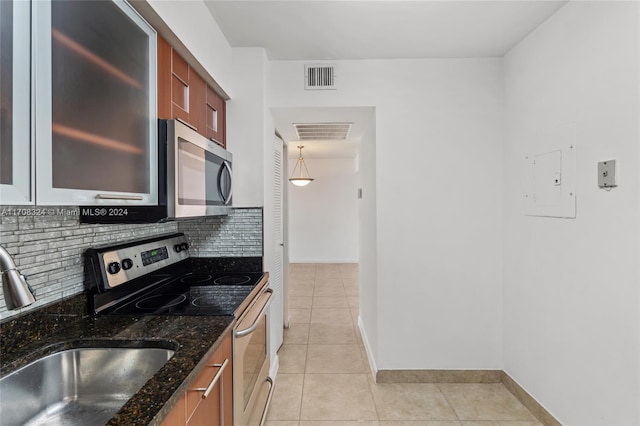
x: 216, y: 409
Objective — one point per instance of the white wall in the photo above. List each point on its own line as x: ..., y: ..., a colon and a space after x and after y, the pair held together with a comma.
x: 571, y: 296
x: 439, y: 203
x: 367, y: 222
x: 192, y: 22
x: 323, y: 216
x: 246, y: 124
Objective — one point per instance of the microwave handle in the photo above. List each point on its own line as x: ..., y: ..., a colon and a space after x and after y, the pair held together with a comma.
x: 226, y: 198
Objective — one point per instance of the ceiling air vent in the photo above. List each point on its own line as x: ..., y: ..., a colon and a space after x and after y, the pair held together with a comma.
x: 319, y: 77
x: 322, y: 131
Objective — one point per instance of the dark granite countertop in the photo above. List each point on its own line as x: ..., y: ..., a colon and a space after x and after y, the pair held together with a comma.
x: 59, y: 327
x: 66, y: 325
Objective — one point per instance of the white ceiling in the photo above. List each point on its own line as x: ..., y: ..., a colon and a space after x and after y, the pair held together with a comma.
x: 362, y: 29
x: 356, y: 29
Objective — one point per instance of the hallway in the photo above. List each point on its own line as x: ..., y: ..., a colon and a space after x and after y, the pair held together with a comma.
x: 324, y: 377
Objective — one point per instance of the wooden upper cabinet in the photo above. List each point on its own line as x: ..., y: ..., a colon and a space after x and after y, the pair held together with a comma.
x: 197, y: 101
x: 184, y: 94
x: 215, y: 117
x: 180, y: 88
x: 164, y: 78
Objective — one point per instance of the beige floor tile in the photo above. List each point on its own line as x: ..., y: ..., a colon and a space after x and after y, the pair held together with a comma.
x: 302, y: 276
x: 328, y: 267
x: 332, y: 334
x: 287, y: 397
x: 301, y: 290
x: 355, y: 312
x: 329, y: 287
x: 325, y: 359
x: 300, y: 302
x: 337, y: 397
x: 331, y: 316
x: 411, y: 401
x: 500, y: 423
x: 484, y: 402
x: 351, y: 284
x: 358, y: 334
x: 299, y: 315
x: 353, y: 301
x: 329, y: 276
x: 349, y: 267
x: 293, y: 358
x: 351, y: 290
x: 296, y: 334
x: 420, y: 423
x: 340, y: 423
x: 330, y: 302
x: 331, y: 291
x: 281, y: 423
x: 350, y: 275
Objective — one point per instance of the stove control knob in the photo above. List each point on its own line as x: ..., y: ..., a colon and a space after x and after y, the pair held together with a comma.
x: 127, y: 264
x: 178, y: 248
x: 184, y: 246
x: 113, y: 268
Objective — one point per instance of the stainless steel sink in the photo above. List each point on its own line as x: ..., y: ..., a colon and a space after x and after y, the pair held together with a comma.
x: 77, y: 387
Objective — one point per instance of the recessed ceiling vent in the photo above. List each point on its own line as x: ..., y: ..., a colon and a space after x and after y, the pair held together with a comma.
x: 319, y: 77
x: 322, y: 131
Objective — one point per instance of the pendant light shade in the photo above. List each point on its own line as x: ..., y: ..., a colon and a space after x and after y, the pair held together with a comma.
x: 300, y: 179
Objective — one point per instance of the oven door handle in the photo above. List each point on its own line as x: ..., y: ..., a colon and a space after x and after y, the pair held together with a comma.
x: 269, y: 381
x: 269, y: 296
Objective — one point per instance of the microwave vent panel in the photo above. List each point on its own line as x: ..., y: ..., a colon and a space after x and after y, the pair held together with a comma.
x: 319, y: 77
x: 323, y: 131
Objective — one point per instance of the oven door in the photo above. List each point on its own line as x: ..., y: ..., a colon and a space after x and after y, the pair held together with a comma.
x: 251, y: 364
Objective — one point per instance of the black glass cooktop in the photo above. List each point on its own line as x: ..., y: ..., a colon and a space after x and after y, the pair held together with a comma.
x: 190, y: 293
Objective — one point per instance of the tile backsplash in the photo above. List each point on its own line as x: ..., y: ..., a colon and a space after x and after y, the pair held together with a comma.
x: 48, y: 247
x: 237, y: 235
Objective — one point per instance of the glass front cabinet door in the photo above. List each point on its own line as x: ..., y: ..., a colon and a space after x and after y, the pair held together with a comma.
x: 95, y: 103
x: 15, y: 99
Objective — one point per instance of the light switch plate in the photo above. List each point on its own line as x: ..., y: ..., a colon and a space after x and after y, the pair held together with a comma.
x: 607, y: 174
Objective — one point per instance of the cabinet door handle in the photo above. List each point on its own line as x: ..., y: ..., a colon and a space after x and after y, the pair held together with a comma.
x: 119, y: 197
x: 215, y: 379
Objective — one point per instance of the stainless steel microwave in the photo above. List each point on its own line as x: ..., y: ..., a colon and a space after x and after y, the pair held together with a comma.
x: 198, y: 174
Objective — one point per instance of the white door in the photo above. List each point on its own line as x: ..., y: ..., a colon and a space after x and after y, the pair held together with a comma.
x: 276, y: 273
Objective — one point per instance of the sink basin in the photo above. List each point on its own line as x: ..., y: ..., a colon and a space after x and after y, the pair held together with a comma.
x: 78, y: 386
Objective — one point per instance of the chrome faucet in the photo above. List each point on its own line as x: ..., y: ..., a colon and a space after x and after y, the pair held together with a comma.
x: 17, y: 293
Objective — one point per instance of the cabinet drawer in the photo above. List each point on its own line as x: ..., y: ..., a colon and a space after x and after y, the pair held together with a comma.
x: 205, y: 381
x: 216, y: 378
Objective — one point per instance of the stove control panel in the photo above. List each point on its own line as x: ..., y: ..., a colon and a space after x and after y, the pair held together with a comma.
x: 154, y: 255
x: 132, y: 261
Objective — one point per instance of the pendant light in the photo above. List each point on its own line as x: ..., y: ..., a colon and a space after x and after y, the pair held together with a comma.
x: 300, y: 180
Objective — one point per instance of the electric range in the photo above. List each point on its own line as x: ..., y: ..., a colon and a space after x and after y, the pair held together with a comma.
x: 157, y: 276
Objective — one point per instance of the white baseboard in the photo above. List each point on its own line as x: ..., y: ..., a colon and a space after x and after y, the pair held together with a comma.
x: 367, y: 348
x: 273, y: 368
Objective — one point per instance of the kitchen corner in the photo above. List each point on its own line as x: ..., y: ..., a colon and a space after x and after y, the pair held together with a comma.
x: 49, y: 250
x: 62, y: 326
